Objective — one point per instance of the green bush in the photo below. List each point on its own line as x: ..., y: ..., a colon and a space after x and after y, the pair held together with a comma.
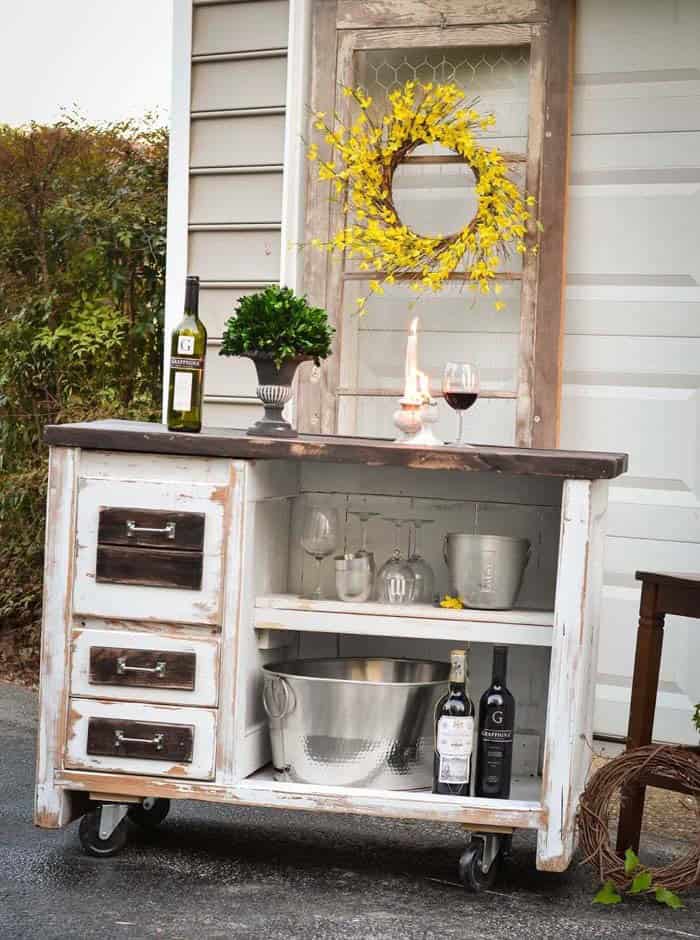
x: 279, y: 324
x: 82, y: 259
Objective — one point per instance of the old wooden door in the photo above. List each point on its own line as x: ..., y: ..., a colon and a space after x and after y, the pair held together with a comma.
x: 516, y: 60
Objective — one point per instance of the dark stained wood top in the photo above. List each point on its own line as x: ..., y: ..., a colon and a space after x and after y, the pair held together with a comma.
x: 141, y: 437
x: 671, y: 578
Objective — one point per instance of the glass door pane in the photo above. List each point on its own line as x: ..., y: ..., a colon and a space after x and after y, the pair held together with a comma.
x: 434, y: 194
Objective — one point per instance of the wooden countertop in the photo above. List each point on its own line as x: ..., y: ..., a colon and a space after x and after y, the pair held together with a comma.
x: 142, y: 437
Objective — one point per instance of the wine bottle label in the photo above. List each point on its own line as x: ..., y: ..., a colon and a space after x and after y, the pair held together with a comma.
x: 454, y: 745
x: 497, y: 734
x: 189, y: 362
x: 185, y: 345
x: 182, y: 391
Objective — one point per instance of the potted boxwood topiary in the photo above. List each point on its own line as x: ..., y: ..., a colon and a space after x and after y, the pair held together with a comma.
x: 278, y: 331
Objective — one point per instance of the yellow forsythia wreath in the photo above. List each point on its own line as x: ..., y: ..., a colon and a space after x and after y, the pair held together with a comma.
x: 362, y: 165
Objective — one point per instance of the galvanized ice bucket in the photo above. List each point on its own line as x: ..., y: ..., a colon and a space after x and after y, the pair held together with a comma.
x: 354, y: 722
x: 486, y: 571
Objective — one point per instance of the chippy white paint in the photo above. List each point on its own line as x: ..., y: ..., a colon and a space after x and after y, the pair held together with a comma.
x: 568, y: 745
x: 139, y: 602
x: 250, y: 557
x: 202, y: 721
x: 206, y: 676
x: 52, y: 805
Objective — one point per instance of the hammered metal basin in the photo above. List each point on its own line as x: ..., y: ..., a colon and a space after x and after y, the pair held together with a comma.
x: 354, y: 722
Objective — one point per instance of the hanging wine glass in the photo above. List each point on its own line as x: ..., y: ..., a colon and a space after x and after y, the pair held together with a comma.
x: 318, y: 539
x: 422, y: 572
x: 395, y: 579
x: 363, y: 515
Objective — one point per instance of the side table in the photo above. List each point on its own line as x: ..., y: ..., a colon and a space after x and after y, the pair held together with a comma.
x: 662, y: 593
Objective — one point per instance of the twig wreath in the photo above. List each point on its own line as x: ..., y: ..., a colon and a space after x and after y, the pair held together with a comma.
x: 675, y: 763
x: 365, y: 157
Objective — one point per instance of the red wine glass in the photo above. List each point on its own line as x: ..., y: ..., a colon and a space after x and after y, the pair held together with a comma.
x: 460, y: 388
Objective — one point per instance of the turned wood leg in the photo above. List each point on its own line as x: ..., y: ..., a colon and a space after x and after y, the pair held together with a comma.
x: 645, y: 682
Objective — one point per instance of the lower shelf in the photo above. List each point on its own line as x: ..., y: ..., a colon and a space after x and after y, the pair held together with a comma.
x: 523, y: 811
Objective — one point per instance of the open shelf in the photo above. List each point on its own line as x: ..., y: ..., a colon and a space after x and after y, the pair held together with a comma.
x: 522, y: 811
x: 414, y: 621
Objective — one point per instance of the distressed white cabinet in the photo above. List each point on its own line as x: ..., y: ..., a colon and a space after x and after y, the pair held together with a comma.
x: 173, y: 572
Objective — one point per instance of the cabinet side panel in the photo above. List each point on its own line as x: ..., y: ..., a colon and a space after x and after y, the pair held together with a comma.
x: 52, y: 804
x: 568, y: 744
x: 234, y: 527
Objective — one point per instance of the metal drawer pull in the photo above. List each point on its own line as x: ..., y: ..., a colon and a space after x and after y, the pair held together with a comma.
x: 156, y: 740
x: 157, y: 670
x: 168, y: 529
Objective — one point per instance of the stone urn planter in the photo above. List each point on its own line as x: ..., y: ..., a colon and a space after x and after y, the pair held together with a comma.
x: 277, y: 330
x: 274, y: 391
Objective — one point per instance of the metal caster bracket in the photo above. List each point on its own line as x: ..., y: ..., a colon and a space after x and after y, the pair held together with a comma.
x: 492, y: 846
x: 111, y: 814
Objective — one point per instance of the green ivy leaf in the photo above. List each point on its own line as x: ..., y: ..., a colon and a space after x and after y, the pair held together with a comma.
x: 664, y: 896
x: 642, y: 882
x: 631, y: 862
x: 607, y: 895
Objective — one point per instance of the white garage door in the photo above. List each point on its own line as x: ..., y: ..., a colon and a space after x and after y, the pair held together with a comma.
x: 632, y: 349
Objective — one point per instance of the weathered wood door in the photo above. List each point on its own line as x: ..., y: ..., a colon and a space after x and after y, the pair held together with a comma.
x: 516, y: 58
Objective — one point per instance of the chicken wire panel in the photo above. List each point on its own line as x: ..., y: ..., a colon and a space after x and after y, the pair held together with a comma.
x: 497, y: 76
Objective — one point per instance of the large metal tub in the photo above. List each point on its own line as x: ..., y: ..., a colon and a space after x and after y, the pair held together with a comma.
x: 354, y: 722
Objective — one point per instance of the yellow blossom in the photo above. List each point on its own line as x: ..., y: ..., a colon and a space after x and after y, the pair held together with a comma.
x: 365, y: 154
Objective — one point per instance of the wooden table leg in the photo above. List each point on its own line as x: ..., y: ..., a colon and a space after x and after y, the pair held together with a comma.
x: 645, y: 682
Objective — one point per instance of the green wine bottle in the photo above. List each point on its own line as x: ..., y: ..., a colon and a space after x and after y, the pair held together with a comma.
x: 188, y: 350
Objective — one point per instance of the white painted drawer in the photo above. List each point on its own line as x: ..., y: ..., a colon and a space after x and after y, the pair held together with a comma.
x: 99, y: 733
x: 127, y: 665
x: 201, y: 604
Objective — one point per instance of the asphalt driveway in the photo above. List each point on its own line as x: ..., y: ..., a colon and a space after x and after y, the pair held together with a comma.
x: 216, y: 872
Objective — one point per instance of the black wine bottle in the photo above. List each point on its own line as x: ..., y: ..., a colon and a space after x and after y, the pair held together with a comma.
x: 495, y: 741
x: 454, y: 732
x: 187, y: 353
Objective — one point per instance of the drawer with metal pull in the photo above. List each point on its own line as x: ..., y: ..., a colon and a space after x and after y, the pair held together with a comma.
x: 130, y: 665
x: 150, y: 550
x: 156, y: 740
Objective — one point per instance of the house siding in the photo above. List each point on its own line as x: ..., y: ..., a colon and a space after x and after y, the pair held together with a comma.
x: 238, y: 87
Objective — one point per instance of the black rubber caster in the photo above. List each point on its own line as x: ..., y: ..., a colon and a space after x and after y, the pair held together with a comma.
x: 471, y: 874
x: 149, y: 814
x: 89, y: 833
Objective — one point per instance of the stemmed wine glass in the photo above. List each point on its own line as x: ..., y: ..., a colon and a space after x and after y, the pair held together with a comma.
x: 318, y: 539
x: 363, y: 516
x: 460, y: 388
x: 395, y: 579
x: 422, y: 572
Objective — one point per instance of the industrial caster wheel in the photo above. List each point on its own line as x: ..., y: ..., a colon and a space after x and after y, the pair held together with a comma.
x: 471, y: 867
x: 91, y: 840
x: 149, y: 814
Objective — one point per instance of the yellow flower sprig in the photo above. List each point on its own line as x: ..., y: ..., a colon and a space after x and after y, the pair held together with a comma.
x: 364, y: 158
x: 451, y: 603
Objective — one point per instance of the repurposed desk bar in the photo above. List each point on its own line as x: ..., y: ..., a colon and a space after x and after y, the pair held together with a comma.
x: 172, y: 575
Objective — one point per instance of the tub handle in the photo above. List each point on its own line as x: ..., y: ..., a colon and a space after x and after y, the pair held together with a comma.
x: 287, y: 699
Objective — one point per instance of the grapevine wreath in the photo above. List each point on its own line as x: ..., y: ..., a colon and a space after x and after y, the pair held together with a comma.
x: 598, y: 801
x: 364, y: 158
